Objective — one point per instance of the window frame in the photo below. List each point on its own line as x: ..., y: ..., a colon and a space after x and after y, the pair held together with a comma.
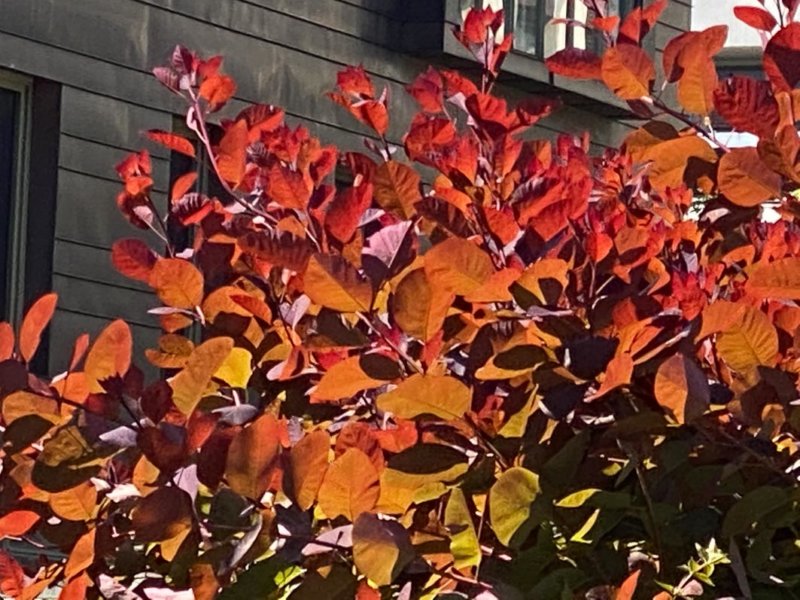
x: 14, y: 287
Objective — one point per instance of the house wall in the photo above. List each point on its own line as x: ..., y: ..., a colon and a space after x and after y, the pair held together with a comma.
x: 284, y: 52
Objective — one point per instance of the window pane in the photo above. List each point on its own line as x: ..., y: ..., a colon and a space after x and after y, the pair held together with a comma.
x: 9, y: 107
x: 529, y: 22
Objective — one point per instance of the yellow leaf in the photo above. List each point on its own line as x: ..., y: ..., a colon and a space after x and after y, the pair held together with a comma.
x: 189, y: 386
x: 464, y: 543
x: 236, y: 369
x: 333, y: 282
x: 351, y: 486
x: 439, y: 395
x: 510, y: 505
x: 23, y: 404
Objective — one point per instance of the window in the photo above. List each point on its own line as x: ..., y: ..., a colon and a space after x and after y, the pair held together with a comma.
x: 534, y: 34
x: 29, y: 138
x: 14, y: 137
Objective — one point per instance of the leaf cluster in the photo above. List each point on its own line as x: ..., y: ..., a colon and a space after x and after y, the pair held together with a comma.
x: 500, y: 366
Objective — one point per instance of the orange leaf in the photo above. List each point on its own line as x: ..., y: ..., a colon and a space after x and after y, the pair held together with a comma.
x: 6, y: 341
x: 182, y: 185
x: 172, y: 141
x: 458, y: 265
x: 17, y: 523
x: 343, y: 381
x: 744, y: 178
x: 333, y: 282
x: 682, y: 388
x: 397, y: 188
x: 628, y: 587
x: 178, y: 283
x: 133, y: 258
x: 628, y: 71
x: 36, y: 320
x: 251, y: 457
x: 78, y: 350
x: 309, y: 463
x: 779, y: 279
x: 75, y: 504
x: 232, y: 153
x: 418, y: 307
x: 189, y: 386
x: 110, y: 355
x: 618, y: 373
x: 345, y: 212
x: 351, y: 486
x: 82, y: 555
x: 76, y: 589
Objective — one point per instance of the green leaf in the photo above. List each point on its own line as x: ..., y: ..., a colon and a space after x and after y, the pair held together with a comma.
x: 464, y: 543
x: 510, y: 501
x: 752, y: 508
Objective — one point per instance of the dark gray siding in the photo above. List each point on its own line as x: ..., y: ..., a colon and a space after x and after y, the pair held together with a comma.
x: 284, y: 52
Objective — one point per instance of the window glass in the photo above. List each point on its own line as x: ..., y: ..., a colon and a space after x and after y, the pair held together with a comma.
x: 9, y: 117
x: 528, y: 26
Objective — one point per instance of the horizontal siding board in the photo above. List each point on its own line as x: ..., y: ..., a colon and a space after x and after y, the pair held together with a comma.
x: 86, y: 211
x: 105, y: 301
x: 98, y: 160
x: 86, y: 262
x: 111, y: 121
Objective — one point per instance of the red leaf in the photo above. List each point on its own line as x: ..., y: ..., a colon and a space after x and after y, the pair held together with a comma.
x: 12, y: 577
x: 756, y: 17
x: 346, y: 210
x: 355, y: 81
x: 172, y: 141
x: 782, y: 58
x: 747, y: 104
x: 428, y: 90
x: 133, y: 258
x: 217, y: 90
x: 36, y: 319
x: 575, y: 63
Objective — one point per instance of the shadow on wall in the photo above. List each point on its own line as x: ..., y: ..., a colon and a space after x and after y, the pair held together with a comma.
x: 412, y: 26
